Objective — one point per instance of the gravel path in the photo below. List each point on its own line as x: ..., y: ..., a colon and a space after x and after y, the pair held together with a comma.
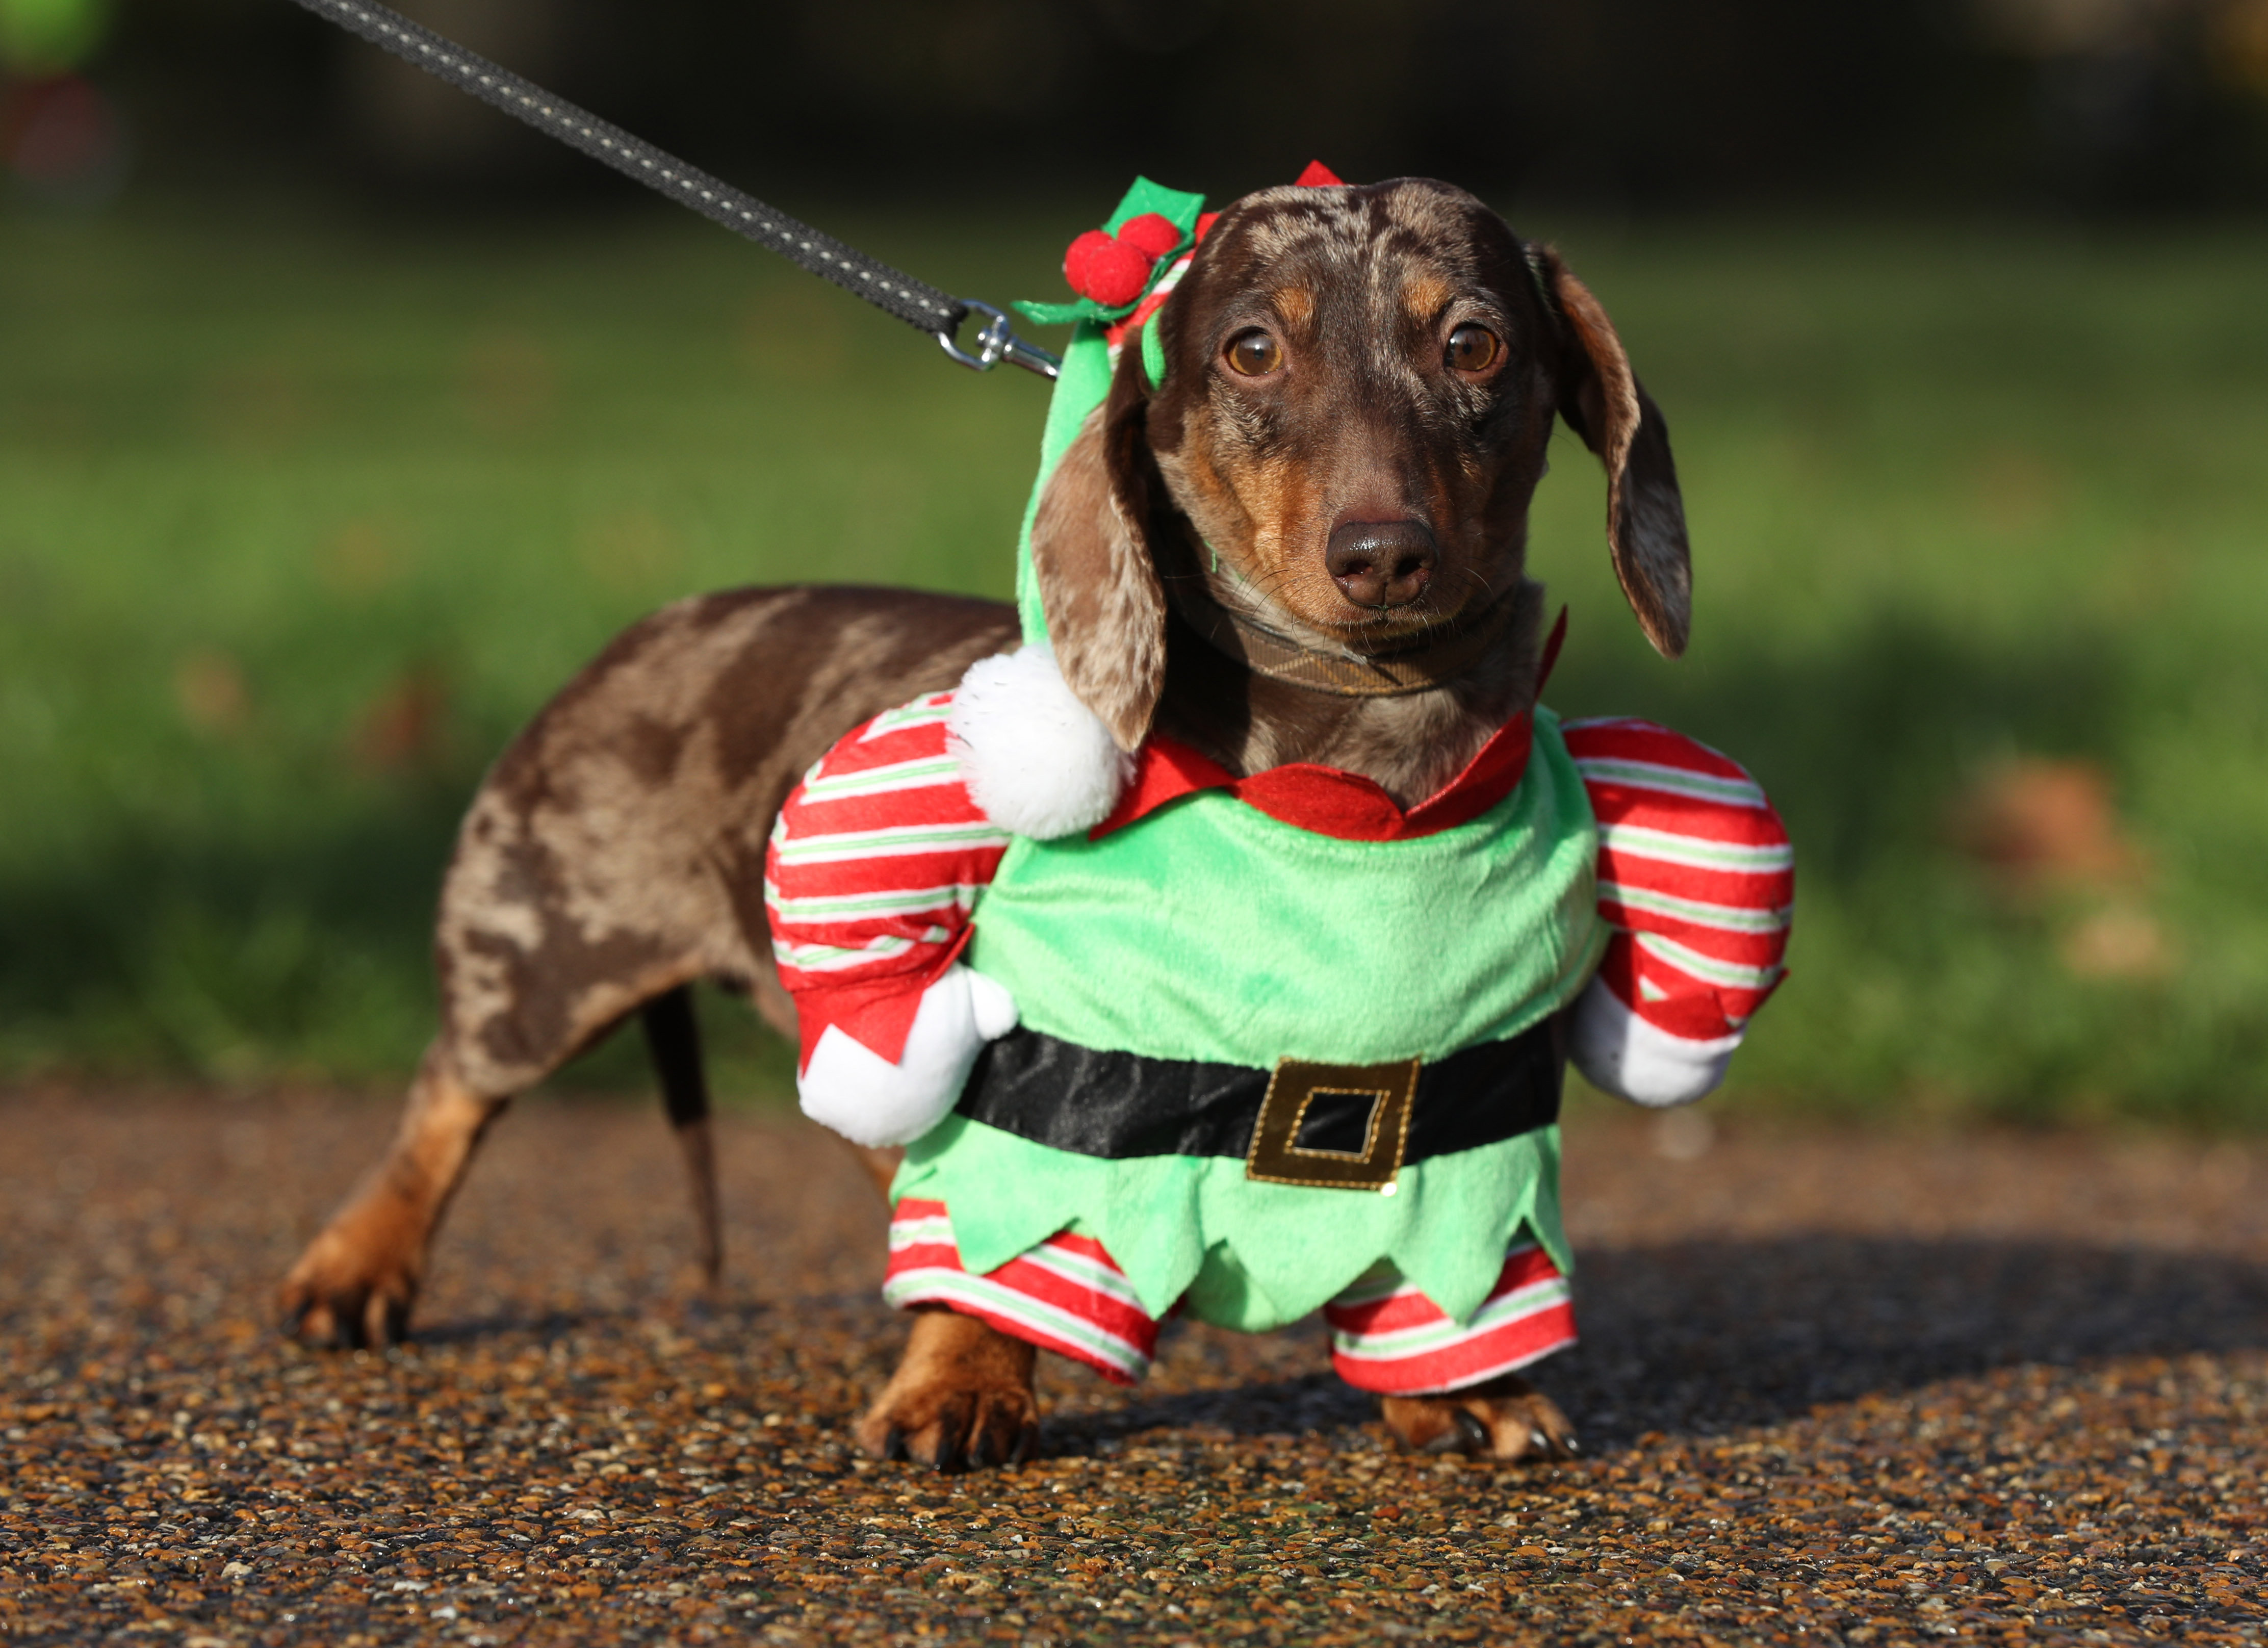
x: 1835, y: 1387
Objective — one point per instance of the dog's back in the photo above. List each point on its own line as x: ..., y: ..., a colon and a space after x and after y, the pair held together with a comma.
x: 616, y: 849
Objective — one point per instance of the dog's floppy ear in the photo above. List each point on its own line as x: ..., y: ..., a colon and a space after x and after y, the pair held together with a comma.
x: 1091, y: 556
x: 1604, y: 402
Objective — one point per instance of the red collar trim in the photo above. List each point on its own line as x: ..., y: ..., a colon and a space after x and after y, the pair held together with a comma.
x: 1324, y: 799
x: 1330, y: 802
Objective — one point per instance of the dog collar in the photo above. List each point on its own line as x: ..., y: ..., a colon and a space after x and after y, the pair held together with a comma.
x: 1421, y: 662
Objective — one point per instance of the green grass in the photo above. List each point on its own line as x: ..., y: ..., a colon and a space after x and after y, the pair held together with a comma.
x: 297, y: 523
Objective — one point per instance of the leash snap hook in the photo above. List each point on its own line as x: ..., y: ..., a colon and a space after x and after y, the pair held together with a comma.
x: 997, y: 341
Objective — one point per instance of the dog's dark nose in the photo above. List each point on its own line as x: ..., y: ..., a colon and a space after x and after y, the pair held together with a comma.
x: 1382, y: 563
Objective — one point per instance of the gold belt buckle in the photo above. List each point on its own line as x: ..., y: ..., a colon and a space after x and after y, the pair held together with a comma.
x: 1277, y: 1156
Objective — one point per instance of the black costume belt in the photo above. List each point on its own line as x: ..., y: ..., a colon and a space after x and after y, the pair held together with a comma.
x: 1338, y: 1126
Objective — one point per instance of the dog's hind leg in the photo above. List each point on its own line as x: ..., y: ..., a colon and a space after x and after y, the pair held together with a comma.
x: 355, y: 1283
x: 673, y: 1035
x: 616, y: 852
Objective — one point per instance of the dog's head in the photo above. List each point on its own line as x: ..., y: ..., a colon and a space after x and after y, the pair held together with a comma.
x: 1358, y: 389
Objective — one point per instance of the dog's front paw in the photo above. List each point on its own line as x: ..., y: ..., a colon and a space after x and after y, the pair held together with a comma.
x: 1507, y: 1418
x: 960, y: 1399
x: 951, y: 1430
x: 353, y: 1286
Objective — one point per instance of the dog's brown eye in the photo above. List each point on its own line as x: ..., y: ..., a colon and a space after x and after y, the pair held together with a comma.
x: 1253, y: 354
x: 1473, y: 349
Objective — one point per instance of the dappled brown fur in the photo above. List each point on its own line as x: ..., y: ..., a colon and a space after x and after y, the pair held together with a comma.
x: 1106, y: 611
x: 1236, y: 483
x: 616, y: 851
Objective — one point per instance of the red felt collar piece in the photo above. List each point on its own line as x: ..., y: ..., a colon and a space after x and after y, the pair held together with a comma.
x: 1324, y: 799
x: 1330, y: 802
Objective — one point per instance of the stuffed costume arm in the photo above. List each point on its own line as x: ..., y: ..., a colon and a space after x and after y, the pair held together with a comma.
x: 876, y: 863
x: 872, y: 872
x: 1697, y: 881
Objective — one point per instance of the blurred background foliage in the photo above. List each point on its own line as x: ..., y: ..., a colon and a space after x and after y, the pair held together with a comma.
x: 341, y: 420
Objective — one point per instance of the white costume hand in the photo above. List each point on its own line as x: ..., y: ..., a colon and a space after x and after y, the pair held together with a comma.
x: 854, y: 1090
x: 1620, y: 1053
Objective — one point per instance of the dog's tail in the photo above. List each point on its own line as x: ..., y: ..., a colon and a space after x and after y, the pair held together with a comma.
x: 673, y: 1034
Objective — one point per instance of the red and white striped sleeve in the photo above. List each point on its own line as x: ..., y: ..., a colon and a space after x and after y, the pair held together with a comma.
x: 874, y: 864
x: 1696, y: 876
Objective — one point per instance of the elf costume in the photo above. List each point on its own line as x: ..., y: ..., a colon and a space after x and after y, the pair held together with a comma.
x: 1158, y: 1037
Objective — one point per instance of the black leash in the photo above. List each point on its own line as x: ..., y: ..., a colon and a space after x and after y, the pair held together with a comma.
x: 917, y: 303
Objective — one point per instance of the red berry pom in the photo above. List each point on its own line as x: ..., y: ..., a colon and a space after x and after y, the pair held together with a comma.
x: 1113, y: 271
x: 1116, y: 274
x: 1152, y: 233
x: 1080, y: 255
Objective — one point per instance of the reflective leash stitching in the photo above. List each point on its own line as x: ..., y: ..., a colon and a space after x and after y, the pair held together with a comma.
x: 919, y: 304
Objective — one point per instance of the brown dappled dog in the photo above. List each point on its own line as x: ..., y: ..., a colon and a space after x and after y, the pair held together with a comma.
x: 1359, y: 389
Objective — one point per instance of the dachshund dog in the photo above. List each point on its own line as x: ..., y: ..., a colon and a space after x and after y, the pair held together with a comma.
x: 1336, y: 466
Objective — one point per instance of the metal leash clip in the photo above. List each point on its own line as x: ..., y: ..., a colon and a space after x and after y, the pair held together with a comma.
x: 996, y: 342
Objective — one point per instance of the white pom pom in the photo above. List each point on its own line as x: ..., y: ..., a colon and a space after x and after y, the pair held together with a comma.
x: 1620, y: 1053
x: 1038, y: 761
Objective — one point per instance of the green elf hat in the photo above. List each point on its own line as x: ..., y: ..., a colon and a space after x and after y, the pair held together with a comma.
x: 1122, y: 273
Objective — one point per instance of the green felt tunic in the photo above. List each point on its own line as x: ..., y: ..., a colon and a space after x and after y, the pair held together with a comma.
x: 1210, y: 930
